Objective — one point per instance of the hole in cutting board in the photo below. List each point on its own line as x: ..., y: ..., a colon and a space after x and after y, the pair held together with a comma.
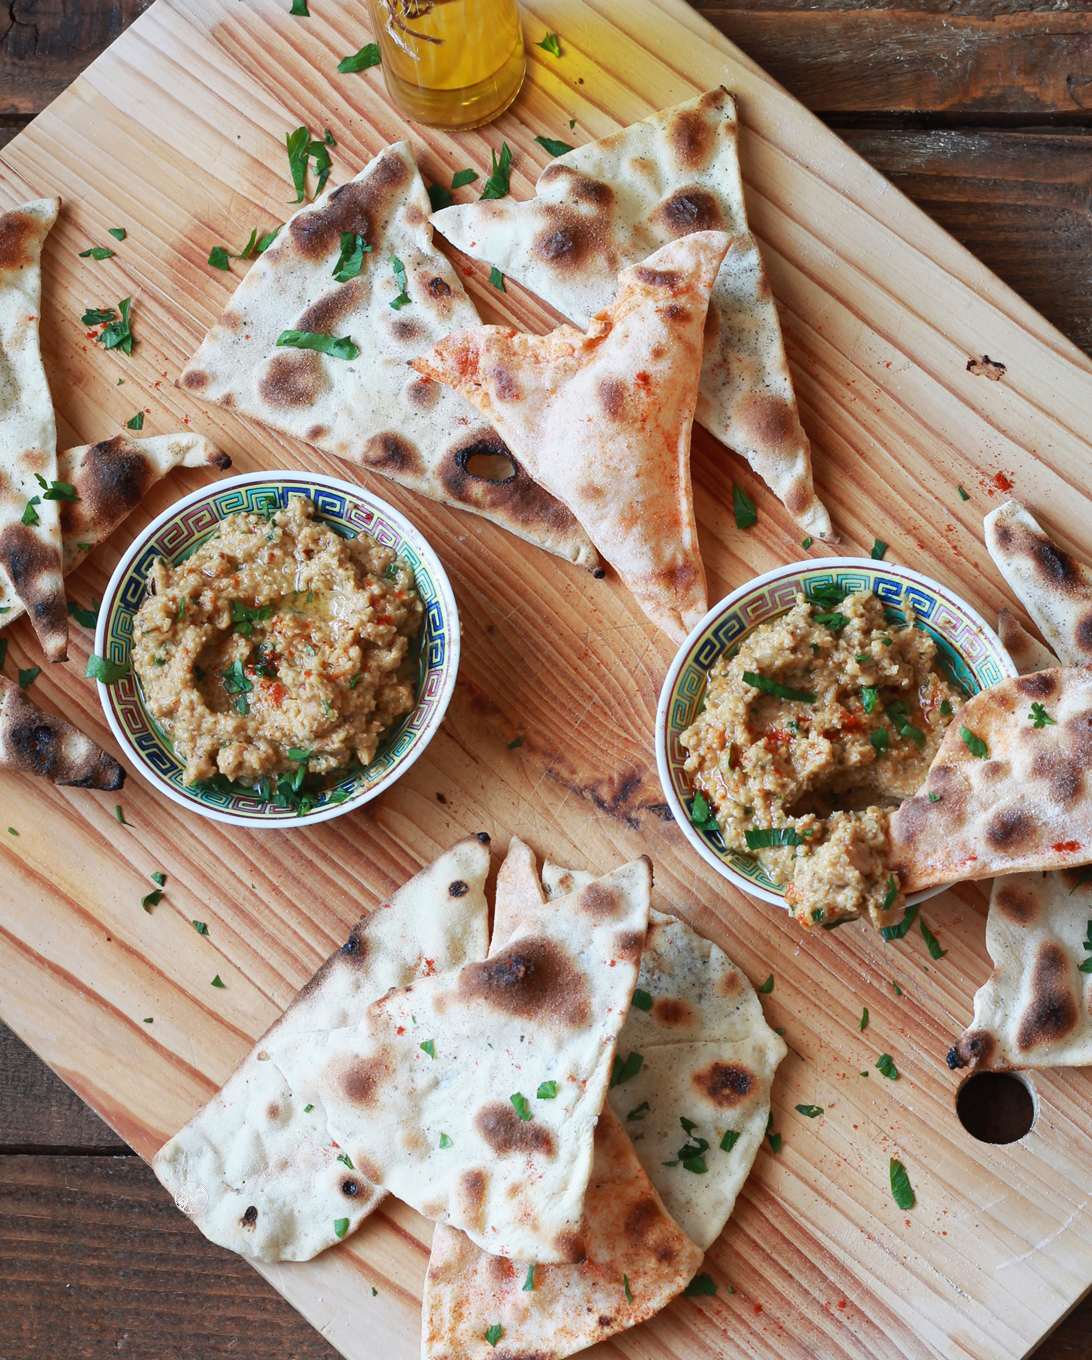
x: 996, y: 1107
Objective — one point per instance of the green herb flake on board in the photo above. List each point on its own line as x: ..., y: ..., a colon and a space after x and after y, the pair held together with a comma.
x: 550, y: 44
x: 461, y: 178
x: 439, y: 197
x: 879, y: 547
x: 217, y: 982
x: 864, y: 1020
x: 897, y: 932
x: 152, y: 899
x: 554, y: 147
x: 901, y: 1189
x: 118, y: 233
x: 219, y: 259
x: 699, y: 1285
x: 200, y: 927
x: 368, y: 56
x: 299, y: 9
x: 885, y: 1064
x: 962, y: 494
x: 28, y: 677
x: 496, y: 278
x: 118, y: 334
x: 805, y: 543
x: 97, y: 253
x: 137, y: 422
x: 930, y: 939
x: 767, y: 986
x: 119, y: 816
x: 743, y: 508
x: 810, y: 1111
x: 496, y: 186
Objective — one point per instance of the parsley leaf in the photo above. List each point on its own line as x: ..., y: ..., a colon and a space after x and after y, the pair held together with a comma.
x: 764, y: 837
x: 368, y: 56
x: 336, y: 347
x: 529, y: 1283
x: 975, y: 745
x: 137, y: 422
x: 897, y: 932
x: 244, y: 616
x: 523, y: 1108
x: 463, y: 177
x: 28, y: 677
x: 550, y: 44
x: 864, y: 1020
x: 95, y: 316
x: 702, y: 815
x: 97, y: 253
x: 400, y: 279
x: 642, y: 999
x: 344, y: 1157
x: 297, y: 143
x: 200, y: 927
x: 805, y: 542
x: 700, y: 1284
x: 638, y: 1111
x: 56, y: 491
x: 886, y: 1065
x: 496, y: 278
x: 962, y: 494
x: 266, y: 241
x: 217, y: 983
x: 118, y: 334
x: 152, y: 899
x: 767, y: 986
x: 104, y: 670
x: 777, y: 690
x: 547, y: 1090
x: 439, y: 197
x: 930, y: 939
x: 118, y: 233
x: 880, y: 740
x: 879, y: 547
x: 1040, y: 717
x: 810, y: 1111
x: 626, y: 1288
x: 493, y: 1334
x: 728, y: 1142
x: 901, y: 1189
x: 218, y: 258
x: 496, y: 186
x: 622, y: 1071
x: 341, y: 1227
x: 300, y: 10
x: 120, y: 816
x: 30, y: 515
x: 554, y: 147
x: 351, y: 259
x: 445, y: 1141
x: 869, y: 697
x: 744, y: 508
x: 429, y: 1047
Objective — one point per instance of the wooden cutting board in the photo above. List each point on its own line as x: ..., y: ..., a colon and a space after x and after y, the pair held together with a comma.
x: 177, y: 133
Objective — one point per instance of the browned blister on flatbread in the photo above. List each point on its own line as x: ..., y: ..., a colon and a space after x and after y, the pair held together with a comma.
x: 30, y: 528
x: 1028, y: 653
x: 34, y: 742
x: 1052, y: 585
x: 613, y: 203
x: 373, y: 410
x: 603, y: 420
x: 1024, y: 803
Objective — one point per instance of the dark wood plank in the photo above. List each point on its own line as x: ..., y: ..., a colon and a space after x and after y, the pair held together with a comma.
x: 96, y: 1262
x: 39, y: 1112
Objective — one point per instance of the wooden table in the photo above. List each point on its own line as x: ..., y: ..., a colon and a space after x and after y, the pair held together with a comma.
x: 981, y: 113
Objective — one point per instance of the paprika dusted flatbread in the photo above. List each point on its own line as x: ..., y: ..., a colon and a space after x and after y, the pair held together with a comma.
x: 367, y: 406
x: 614, y: 202
x: 257, y: 1168
x: 35, y: 742
x: 30, y: 524
x: 603, y: 420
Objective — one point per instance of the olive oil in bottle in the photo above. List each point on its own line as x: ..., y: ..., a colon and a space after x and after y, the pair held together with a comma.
x: 451, y: 63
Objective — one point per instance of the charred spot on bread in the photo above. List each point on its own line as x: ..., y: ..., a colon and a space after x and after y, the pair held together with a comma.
x: 293, y: 379
x: 391, y: 452
x: 725, y: 1084
x: 353, y: 207
x: 1053, y: 1010
x: 1039, y: 686
x: 689, y: 209
x: 505, y: 1132
x: 19, y: 232
x: 535, y: 978
x: 457, y: 889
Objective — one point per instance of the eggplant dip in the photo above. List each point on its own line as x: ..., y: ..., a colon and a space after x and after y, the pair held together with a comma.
x: 279, y: 650
x: 821, y: 723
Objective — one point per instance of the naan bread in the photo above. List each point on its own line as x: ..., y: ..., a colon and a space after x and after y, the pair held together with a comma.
x: 372, y: 409
x: 603, y: 420
x: 30, y: 554
x: 1053, y: 587
x: 255, y: 1169
x: 111, y: 478
x: 34, y: 742
x: 611, y: 204
x: 1028, y: 654
x: 437, y: 1125
x: 708, y: 1055
x: 631, y: 1243
x: 1027, y: 805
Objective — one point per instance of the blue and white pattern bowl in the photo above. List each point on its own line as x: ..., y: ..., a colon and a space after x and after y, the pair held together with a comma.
x: 183, y: 528
x: 969, y: 649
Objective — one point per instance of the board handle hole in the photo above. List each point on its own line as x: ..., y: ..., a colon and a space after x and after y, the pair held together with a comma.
x: 997, y: 1107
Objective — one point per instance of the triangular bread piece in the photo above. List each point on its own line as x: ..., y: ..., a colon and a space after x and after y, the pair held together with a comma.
x: 611, y: 204
x: 111, y: 478
x: 257, y: 1169
x: 603, y: 420
x: 1053, y: 587
x: 371, y: 410
x: 707, y: 1053
x: 30, y: 534
x: 35, y: 742
x: 434, y: 1095
x: 1028, y: 653
x: 1002, y: 794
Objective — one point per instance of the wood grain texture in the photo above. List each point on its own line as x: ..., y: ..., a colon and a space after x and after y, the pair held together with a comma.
x: 881, y: 312
x: 39, y: 1113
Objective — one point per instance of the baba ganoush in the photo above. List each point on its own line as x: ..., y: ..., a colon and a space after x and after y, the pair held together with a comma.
x: 824, y: 720
x: 278, y: 648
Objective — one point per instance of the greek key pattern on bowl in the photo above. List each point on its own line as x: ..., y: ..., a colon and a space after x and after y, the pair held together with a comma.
x: 182, y: 534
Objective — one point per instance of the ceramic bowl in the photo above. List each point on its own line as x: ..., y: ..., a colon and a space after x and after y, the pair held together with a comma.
x: 967, y: 646
x: 184, y: 527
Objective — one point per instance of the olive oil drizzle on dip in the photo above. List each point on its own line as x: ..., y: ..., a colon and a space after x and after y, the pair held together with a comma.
x: 819, y: 725
x: 278, y: 651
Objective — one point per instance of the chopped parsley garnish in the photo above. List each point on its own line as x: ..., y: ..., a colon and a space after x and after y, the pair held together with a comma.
x: 879, y: 739
x: 864, y: 1020
x: 463, y: 177
x: 158, y: 877
x: 975, y: 745
x: 743, y: 507
x: 638, y: 1111
x: 622, y: 1071
x: 30, y: 515
x: 120, y: 816
x: 496, y: 278
x: 28, y: 677
x: 300, y: 149
x: 914, y: 733
x: 764, y: 837
x: 554, y: 147
x: 728, y: 1142
x: 946, y: 708
x: 118, y: 233
x: 344, y: 1157
x: 547, y: 1090
x: 522, y: 1105
x: 702, y: 815
x: 244, y: 616
x: 869, y: 697
x: 879, y: 547
x: 699, y: 1285
x: 200, y: 927
x: 496, y: 186
x: 104, y: 670
x: 337, y: 347
x: 300, y: 10
x: 216, y: 982
x: 529, y: 1282
x: 810, y: 1111
x: 897, y: 932
x: 237, y: 682
x: 962, y: 494
x: 835, y: 622
x: 307, y: 1109
x: 886, y: 1065
x: 56, y: 491
x: 445, y: 1141
x: 642, y: 999
x: 218, y: 258
x: 550, y: 44
x: 934, y: 797
x: 97, y: 253
x: 767, y: 986
x: 901, y: 1189
x: 266, y: 241
x: 1084, y: 877
x: 805, y: 543
x: 137, y: 422
x: 774, y: 1140
x: 118, y: 334
x: 626, y: 1288
x: 350, y: 261
x: 297, y: 753
x: 439, y: 197
x: 512, y: 745
x: 930, y: 939
x: 368, y: 56
x: 898, y: 989
x: 429, y: 1047
x: 400, y: 279
x: 96, y: 317
x: 1040, y: 717
x: 152, y: 899
x: 777, y: 690
x: 12, y: 831
x: 494, y: 1333
x: 341, y: 1227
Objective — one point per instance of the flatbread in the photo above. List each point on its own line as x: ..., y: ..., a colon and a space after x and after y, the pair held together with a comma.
x: 39, y: 743
x: 603, y: 420
x: 1028, y: 653
x: 371, y: 410
x: 255, y: 1169
x: 1027, y: 805
x: 1053, y: 586
x: 708, y: 1055
x: 613, y: 203
x: 111, y: 478
x: 437, y: 1126
x: 631, y: 1243
x: 30, y: 554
